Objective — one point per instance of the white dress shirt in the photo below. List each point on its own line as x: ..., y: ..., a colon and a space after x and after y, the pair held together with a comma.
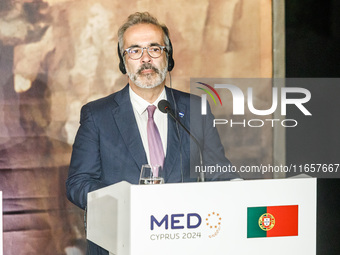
x: 139, y: 106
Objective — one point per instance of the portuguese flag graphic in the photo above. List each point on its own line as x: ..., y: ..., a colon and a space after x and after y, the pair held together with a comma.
x: 270, y: 221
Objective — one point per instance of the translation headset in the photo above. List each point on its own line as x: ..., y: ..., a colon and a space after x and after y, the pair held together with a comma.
x: 171, y: 62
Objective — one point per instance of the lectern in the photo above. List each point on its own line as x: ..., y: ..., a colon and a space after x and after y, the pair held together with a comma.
x: 235, y: 217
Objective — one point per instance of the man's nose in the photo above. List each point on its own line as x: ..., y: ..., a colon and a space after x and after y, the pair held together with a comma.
x: 146, y: 57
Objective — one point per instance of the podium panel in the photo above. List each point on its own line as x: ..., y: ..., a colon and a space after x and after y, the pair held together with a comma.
x: 241, y: 217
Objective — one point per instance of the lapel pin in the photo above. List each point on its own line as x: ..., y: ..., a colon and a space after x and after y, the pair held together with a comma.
x: 181, y: 114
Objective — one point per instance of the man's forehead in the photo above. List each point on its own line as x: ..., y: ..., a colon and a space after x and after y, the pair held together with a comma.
x: 143, y: 35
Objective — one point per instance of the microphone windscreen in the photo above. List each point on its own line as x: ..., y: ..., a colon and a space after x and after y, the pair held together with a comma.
x: 164, y: 106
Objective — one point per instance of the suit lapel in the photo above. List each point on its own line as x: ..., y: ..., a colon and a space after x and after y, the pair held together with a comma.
x: 127, y: 125
x: 172, y: 159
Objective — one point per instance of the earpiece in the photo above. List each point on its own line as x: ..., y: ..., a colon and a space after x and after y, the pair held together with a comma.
x: 121, y: 61
x: 171, y: 61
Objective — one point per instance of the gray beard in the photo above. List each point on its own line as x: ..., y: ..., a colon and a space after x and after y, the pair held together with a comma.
x: 148, y: 82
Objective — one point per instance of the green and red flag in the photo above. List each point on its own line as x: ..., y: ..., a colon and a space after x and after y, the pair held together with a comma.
x: 270, y: 221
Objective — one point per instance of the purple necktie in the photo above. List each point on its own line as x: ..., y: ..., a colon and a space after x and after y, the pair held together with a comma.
x: 154, y: 140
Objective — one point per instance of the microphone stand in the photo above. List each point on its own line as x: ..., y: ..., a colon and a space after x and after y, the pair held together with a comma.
x: 167, y: 109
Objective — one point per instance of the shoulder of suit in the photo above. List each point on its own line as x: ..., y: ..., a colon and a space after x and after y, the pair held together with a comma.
x: 105, y: 102
x: 185, y: 97
x: 101, y: 102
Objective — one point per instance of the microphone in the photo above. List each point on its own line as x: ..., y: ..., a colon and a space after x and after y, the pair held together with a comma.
x: 165, y: 107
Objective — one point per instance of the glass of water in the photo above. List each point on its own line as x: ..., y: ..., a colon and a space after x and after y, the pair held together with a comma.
x: 151, y: 175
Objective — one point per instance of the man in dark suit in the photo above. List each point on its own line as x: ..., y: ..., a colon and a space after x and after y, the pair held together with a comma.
x: 112, y: 141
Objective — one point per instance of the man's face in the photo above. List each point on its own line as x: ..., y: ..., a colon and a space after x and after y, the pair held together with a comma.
x: 146, y: 72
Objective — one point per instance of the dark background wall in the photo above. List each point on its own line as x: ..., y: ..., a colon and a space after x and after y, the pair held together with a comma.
x: 312, y: 50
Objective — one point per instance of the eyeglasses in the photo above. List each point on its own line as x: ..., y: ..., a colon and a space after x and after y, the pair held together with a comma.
x: 137, y: 52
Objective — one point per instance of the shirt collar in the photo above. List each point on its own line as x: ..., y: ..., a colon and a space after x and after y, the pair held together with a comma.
x: 140, y: 104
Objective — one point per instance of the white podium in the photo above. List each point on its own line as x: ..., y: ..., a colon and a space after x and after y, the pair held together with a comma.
x: 215, y: 218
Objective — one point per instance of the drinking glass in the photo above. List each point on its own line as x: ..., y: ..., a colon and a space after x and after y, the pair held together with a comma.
x: 151, y: 175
